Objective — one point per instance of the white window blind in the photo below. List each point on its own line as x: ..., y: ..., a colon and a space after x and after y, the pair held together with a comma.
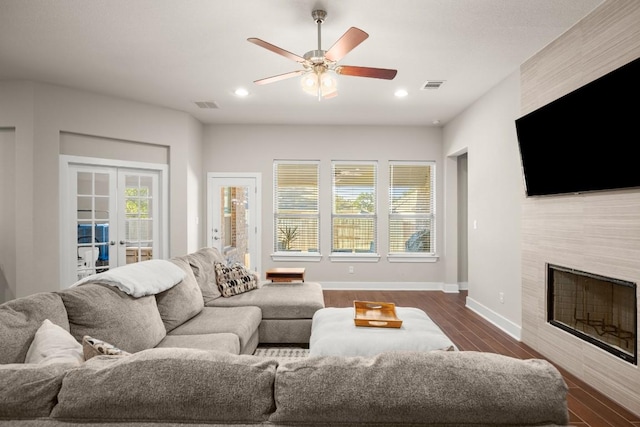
x: 411, y: 207
x: 296, y: 206
x: 354, y: 218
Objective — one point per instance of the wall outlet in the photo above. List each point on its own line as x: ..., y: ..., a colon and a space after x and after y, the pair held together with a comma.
x: 501, y: 297
x: 351, y: 269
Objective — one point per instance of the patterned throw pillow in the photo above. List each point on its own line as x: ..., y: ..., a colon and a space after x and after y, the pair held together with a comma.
x: 235, y: 279
x: 93, y: 347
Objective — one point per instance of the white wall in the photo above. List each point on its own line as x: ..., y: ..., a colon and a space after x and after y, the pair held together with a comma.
x: 16, y: 111
x: 39, y: 113
x: 236, y: 148
x: 7, y: 214
x: 486, y: 131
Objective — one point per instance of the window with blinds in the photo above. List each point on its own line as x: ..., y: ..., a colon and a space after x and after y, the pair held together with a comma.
x: 296, y: 206
x: 354, y: 218
x: 411, y: 207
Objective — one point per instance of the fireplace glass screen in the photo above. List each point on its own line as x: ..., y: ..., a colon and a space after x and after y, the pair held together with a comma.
x: 597, y: 309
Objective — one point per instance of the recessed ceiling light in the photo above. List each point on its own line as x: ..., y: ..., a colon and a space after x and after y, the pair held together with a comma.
x: 401, y: 93
x: 241, y: 92
x: 436, y: 122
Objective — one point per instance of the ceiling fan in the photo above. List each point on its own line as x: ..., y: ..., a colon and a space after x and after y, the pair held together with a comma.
x: 321, y: 66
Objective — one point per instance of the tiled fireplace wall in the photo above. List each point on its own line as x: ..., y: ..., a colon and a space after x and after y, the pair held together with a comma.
x: 595, y: 232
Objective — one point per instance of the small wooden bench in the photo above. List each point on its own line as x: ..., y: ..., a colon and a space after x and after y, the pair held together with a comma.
x: 285, y: 274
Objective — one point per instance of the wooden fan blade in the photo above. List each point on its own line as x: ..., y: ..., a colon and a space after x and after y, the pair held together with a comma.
x: 276, y: 49
x: 279, y: 77
x: 345, y: 44
x: 376, y: 73
x: 331, y: 95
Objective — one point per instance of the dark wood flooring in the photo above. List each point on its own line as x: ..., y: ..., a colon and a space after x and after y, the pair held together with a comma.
x: 470, y: 332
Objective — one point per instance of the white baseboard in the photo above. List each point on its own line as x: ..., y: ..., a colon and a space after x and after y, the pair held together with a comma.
x: 491, y: 316
x: 451, y: 288
x: 385, y: 286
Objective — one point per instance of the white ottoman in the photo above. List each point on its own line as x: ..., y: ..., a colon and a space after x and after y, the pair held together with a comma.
x: 333, y: 333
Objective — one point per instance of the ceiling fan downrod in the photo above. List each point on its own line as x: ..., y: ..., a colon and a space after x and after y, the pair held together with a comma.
x: 319, y: 17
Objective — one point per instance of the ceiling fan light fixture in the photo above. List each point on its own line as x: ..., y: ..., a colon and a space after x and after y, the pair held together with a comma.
x: 320, y: 83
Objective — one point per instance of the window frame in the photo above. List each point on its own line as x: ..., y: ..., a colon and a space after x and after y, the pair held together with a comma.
x: 430, y: 217
x: 285, y: 255
x: 372, y: 256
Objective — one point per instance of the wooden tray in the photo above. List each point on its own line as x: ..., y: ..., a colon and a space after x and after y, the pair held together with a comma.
x: 376, y: 314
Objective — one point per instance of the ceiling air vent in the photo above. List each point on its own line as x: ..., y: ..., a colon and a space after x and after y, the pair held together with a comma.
x: 432, y: 84
x: 207, y: 104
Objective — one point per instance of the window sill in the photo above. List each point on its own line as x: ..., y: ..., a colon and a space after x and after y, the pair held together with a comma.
x: 296, y: 256
x: 411, y: 257
x: 354, y: 257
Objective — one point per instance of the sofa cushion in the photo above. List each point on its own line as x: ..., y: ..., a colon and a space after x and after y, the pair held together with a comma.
x: 241, y: 321
x: 92, y: 347
x: 54, y: 344
x: 279, y: 300
x: 29, y: 391
x: 203, y: 264
x: 446, y: 388
x: 235, y: 279
x: 105, y: 312
x: 169, y: 385
x: 181, y: 302
x: 224, y: 341
x: 22, y: 317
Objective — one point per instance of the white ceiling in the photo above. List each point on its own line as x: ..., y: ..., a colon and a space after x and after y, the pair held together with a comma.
x: 175, y: 52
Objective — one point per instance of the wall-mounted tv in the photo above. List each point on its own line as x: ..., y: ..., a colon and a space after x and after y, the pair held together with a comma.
x: 586, y: 140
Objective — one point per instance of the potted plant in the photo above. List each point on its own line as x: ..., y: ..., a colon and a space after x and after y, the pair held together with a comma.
x: 289, y: 234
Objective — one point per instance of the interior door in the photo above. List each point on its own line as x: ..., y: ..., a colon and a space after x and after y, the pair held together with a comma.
x: 114, y: 216
x: 233, y: 212
x: 138, y: 223
x: 94, y: 219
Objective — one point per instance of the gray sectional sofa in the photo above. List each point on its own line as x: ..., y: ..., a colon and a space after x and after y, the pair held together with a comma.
x: 186, y: 359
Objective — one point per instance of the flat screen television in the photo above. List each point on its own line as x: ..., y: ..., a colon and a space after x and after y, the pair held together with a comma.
x: 586, y: 140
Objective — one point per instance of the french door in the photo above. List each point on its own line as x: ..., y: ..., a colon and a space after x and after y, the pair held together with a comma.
x: 233, y: 219
x: 111, y: 216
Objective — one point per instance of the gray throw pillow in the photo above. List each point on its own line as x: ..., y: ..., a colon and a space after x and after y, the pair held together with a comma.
x: 21, y: 318
x: 181, y: 302
x: 107, y: 313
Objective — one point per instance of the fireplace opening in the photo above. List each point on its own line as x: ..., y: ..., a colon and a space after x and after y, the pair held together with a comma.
x: 600, y: 310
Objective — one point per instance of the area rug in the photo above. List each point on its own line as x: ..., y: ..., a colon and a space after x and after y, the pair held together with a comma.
x: 282, y: 354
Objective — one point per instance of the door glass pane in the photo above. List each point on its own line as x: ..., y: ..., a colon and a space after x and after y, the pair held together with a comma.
x: 85, y: 183
x: 92, y: 233
x: 234, y: 231
x: 102, y: 184
x: 102, y: 207
x: 138, y: 218
x: 85, y: 207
